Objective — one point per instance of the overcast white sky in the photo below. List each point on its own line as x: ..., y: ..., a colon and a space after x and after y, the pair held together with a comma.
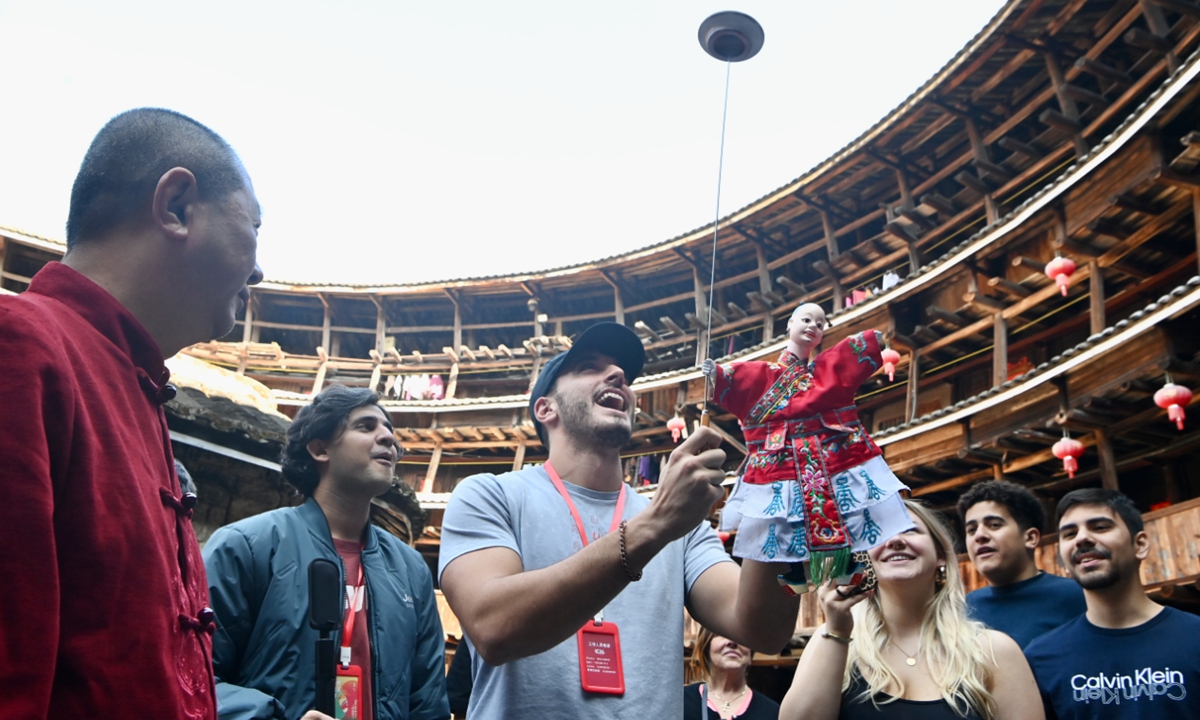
x: 397, y: 141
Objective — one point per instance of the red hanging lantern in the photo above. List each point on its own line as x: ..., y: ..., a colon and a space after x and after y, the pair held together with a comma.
x: 1068, y: 450
x: 890, y: 358
x: 1060, y: 270
x: 676, y: 426
x: 1173, y: 398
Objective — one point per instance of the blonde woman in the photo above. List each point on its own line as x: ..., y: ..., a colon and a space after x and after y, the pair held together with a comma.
x: 908, y: 650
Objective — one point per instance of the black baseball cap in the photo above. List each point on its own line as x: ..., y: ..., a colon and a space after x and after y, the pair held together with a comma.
x: 613, y: 339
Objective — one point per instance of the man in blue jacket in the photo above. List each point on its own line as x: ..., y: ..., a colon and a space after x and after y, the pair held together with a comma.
x: 340, y: 454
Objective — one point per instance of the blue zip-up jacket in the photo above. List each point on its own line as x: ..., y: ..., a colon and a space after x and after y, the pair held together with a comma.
x: 264, y: 650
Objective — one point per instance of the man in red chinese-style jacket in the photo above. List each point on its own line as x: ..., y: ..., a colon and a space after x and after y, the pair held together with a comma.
x: 104, y: 611
x: 816, y: 487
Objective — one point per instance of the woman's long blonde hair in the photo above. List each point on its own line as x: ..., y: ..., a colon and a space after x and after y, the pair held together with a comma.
x: 956, y: 649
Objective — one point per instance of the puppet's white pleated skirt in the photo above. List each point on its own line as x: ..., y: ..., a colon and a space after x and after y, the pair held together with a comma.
x: 770, y: 519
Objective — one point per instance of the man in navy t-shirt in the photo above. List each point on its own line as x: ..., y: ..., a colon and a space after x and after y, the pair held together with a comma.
x: 1003, y: 523
x: 1127, y: 656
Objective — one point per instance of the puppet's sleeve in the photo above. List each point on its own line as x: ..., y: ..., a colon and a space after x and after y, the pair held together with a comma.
x: 738, y: 386
x: 854, y: 359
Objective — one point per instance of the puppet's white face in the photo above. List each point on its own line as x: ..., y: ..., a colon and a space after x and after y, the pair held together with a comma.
x: 807, y: 326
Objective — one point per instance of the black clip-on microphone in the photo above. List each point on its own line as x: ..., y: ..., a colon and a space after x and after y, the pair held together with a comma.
x: 324, y: 614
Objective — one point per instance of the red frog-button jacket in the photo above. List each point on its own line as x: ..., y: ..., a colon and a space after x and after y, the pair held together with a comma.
x: 103, y: 597
x: 779, y: 403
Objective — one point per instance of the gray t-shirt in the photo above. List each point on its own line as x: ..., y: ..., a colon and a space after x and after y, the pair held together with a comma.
x: 522, y: 511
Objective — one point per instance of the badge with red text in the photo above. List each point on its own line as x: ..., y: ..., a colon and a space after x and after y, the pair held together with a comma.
x: 347, y: 695
x: 600, y: 658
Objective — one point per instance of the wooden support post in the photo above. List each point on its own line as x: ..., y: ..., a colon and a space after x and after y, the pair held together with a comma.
x: 380, y: 324
x: 457, y: 322
x: 519, y: 458
x: 906, y: 198
x: 914, y: 372
x: 698, y: 291
x: 831, y: 243
x: 999, y: 350
x: 452, y: 385
x: 839, y: 302
x: 1196, y: 219
x: 1065, y: 102
x: 914, y: 255
x: 702, y: 339
x: 1153, y: 13
x: 978, y: 147
x: 1108, y: 462
x: 992, y: 209
x: 764, y: 285
x: 326, y: 325
x: 376, y: 371
x: 247, y: 331
x: 1096, y: 280
x: 618, y: 300
x: 319, y: 382
x: 431, y: 471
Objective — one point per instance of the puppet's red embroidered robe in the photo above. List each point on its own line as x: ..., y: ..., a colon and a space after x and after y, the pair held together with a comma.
x: 815, y: 485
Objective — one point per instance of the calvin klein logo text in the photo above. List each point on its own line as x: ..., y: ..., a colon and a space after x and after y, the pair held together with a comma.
x: 1112, y: 689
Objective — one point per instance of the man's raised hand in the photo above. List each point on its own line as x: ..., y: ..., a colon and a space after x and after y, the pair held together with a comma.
x: 691, y: 483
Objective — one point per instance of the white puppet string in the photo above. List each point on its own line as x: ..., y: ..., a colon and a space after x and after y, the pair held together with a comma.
x: 712, y: 278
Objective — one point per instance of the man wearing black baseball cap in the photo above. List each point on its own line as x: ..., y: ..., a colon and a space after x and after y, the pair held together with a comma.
x: 570, y: 587
x: 607, y: 338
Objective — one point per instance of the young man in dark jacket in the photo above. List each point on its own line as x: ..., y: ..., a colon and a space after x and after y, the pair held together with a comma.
x: 340, y: 453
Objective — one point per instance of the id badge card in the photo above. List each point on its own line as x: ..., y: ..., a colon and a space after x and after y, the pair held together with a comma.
x: 600, y: 668
x: 347, y: 694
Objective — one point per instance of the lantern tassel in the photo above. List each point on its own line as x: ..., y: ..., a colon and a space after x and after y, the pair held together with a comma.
x: 1176, y: 414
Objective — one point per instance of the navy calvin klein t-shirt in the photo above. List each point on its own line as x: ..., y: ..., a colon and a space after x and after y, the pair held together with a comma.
x: 1143, y: 672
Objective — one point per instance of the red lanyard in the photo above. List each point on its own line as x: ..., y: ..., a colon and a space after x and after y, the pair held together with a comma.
x: 562, y: 490
x: 351, y: 613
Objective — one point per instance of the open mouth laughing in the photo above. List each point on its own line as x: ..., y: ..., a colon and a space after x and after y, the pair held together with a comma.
x: 612, y: 399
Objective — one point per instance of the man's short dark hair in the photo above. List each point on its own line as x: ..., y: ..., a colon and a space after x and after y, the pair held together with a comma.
x: 1020, y: 502
x: 1117, y: 501
x: 129, y: 155
x: 323, y: 419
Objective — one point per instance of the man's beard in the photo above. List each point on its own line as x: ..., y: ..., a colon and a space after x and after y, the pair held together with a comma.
x: 576, y: 420
x: 1095, y: 580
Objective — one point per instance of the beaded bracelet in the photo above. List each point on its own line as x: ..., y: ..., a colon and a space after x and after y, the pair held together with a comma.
x: 625, y: 559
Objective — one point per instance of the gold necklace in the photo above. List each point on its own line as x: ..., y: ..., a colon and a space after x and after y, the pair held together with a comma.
x: 908, y: 659
x: 726, y: 704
